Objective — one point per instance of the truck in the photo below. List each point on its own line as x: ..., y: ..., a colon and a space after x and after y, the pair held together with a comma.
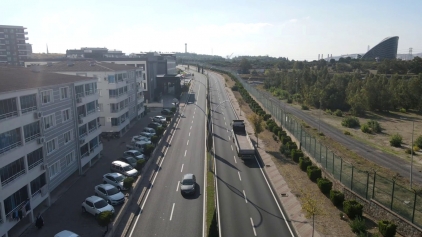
x: 139, y: 146
x: 242, y: 141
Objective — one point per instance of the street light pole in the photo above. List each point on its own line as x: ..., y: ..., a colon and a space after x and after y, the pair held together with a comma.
x: 411, y: 152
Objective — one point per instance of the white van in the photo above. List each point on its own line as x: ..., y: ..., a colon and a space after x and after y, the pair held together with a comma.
x: 123, y: 168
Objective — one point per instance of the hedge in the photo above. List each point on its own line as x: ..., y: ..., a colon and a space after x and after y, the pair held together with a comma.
x: 336, y: 197
x: 304, y: 162
x: 352, y: 209
x: 324, y: 185
x: 313, y: 172
x: 387, y: 228
x: 296, y: 154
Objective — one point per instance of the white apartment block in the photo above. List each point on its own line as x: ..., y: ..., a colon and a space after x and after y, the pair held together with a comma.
x: 40, y: 131
x: 120, y: 89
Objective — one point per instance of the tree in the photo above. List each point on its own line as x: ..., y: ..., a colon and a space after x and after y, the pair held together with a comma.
x: 258, y: 125
x: 104, y: 219
x: 416, y: 65
x: 311, y: 207
x: 245, y: 65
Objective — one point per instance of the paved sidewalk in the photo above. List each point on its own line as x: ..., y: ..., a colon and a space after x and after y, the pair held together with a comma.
x: 288, y: 200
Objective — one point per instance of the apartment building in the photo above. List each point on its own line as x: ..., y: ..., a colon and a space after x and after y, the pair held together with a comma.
x: 13, y: 48
x: 120, y: 90
x: 40, y: 137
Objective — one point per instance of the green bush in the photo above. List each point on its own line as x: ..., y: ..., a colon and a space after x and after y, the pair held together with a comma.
x: 409, y: 151
x: 304, y: 162
x: 160, y: 131
x: 282, y: 149
x: 267, y: 117
x: 365, y: 128
x: 350, y: 122
x: 285, y: 140
x: 164, y: 125
x: 338, y: 113
x: 289, y: 101
x: 403, y: 110
x: 304, y: 107
x: 173, y: 109
x: 358, y: 225
x: 374, y: 126
x: 296, y: 154
x: 154, y: 139
x: 291, y: 145
x: 352, y: 209
x: 104, y: 218
x: 128, y: 182
x: 387, y: 228
x: 396, y: 140
x: 168, y: 118
x: 336, y: 197
x: 418, y: 142
x: 347, y: 133
x: 328, y: 111
x: 140, y: 164
x: 324, y: 185
x: 271, y: 126
x: 149, y: 148
x: 313, y: 173
x: 235, y: 88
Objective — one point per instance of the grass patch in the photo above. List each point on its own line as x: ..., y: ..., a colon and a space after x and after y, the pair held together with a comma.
x: 212, y: 229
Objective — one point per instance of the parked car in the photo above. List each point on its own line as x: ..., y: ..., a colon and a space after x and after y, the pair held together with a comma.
x: 159, y: 119
x: 154, y: 125
x: 130, y: 160
x: 147, y: 134
x: 109, y: 193
x: 187, y: 185
x: 115, y: 179
x: 66, y: 233
x: 149, y: 130
x: 96, y: 205
x: 135, y: 154
x: 123, y: 168
x: 141, y: 139
x: 166, y: 112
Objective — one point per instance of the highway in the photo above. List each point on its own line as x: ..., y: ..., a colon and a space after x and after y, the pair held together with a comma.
x: 164, y: 211
x: 245, y: 202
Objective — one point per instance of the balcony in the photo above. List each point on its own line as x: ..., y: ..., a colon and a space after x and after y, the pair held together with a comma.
x: 14, y: 177
x: 8, y: 115
x: 90, y: 115
x: 10, y: 147
x: 89, y: 155
x: 87, y: 96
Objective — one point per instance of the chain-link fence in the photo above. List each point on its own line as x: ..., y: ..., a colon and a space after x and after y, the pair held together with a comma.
x: 368, y: 185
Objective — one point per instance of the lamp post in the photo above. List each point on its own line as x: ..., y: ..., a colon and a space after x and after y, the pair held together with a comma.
x: 411, y: 153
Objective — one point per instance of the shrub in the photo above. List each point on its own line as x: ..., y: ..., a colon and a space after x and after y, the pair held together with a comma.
x: 313, y: 173
x: 140, y: 164
x: 168, y: 118
x: 387, y: 228
x: 267, y: 116
x: 296, y: 154
x: 352, y: 209
x: 164, y: 125
x: 409, y: 151
x: 396, y: 140
x: 291, y: 145
x: 328, y: 111
x: 282, y: 149
x: 289, y: 101
x: 159, y: 131
x: 416, y: 148
x: 235, y: 88
x: 350, y: 122
x: 304, y: 162
x: 173, y: 109
x: 104, y: 218
x: 418, y: 142
x: 304, y: 107
x: 275, y: 137
x: 285, y: 140
x: 324, y: 185
x: 347, y: 133
x: 128, y: 182
x: 336, y: 197
x: 154, y: 139
x: 365, y: 128
x: 149, y: 148
x: 338, y: 113
x: 403, y: 110
x: 358, y: 225
x: 374, y: 126
x: 271, y: 126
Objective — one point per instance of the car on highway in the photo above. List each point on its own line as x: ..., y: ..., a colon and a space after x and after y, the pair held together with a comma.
x: 159, y: 119
x: 95, y: 205
x: 123, y: 168
x: 109, y: 193
x: 147, y: 134
x: 188, y: 183
x: 130, y: 160
x: 115, y: 179
x: 154, y: 125
x: 135, y: 154
x: 166, y: 112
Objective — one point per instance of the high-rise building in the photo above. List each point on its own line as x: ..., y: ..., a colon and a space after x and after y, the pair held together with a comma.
x: 13, y: 48
x: 386, y: 49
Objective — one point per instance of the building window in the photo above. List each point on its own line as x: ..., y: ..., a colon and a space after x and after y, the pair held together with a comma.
x: 15, y: 201
x: 51, y: 146
x: 79, y: 91
x: 82, y: 131
x: 64, y: 93
x: 12, y: 171
x: 145, y: 86
x: 68, y: 136
x: 35, y: 158
x: 49, y: 121
x: 8, y: 108
x: 91, y: 107
x: 112, y: 93
x: 54, y: 170
x: 111, y: 79
x: 46, y: 96
x: 70, y: 158
x: 37, y: 184
x: 100, y: 107
x: 31, y: 131
x: 10, y: 140
x: 28, y: 103
x: 115, y: 122
x: 66, y: 115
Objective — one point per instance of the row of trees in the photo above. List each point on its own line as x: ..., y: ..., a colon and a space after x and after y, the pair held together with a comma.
x: 352, y: 92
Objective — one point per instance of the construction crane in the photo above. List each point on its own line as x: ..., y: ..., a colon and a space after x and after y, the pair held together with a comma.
x: 229, y: 56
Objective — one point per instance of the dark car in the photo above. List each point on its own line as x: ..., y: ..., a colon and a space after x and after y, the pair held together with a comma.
x: 166, y: 112
x: 187, y: 185
x: 154, y: 125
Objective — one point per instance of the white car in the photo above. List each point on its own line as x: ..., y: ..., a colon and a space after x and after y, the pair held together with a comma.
x: 159, y: 119
x: 96, y: 205
x: 109, y: 193
x: 115, y: 179
x: 66, y: 233
x: 135, y: 154
x: 147, y: 134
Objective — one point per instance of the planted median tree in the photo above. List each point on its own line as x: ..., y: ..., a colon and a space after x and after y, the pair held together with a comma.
x: 104, y: 219
x: 160, y: 131
x: 311, y: 207
x: 258, y: 126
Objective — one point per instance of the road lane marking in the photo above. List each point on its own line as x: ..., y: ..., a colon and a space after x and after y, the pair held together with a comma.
x: 224, y: 118
x: 190, y: 127
x: 177, y: 188
x: 232, y: 147
x: 192, y: 121
x: 225, y: 123
x: 189, y: 134
x: 235, y: 159
x: 239, y: 175
x: 185, y: 152
x: 244, y: 194
x: 172, y: 209
x: 193, y: 117
x: 181, y: 170
x: 253, y: 227
x: 187, y: 143
x: 227, y: 130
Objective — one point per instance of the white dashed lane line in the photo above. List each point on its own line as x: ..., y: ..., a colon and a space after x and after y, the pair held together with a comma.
x: 244, y: 194
x: 172, y: 209
x: 235, y: 161
x: 187, y: 143
x: 185, y: 152
x: 181, y: 170
x: 239, y: 175
x: 177, y: 188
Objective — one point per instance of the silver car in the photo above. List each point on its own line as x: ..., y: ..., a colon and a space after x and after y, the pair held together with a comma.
x: 109, y: 193
x: 115, y: 179
x: 187, y: 185
x: 95, y: 205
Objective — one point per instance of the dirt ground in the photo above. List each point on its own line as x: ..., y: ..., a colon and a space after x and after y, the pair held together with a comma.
x: 329, y: 222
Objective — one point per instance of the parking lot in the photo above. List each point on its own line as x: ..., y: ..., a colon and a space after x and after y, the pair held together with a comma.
x: 65, y: 212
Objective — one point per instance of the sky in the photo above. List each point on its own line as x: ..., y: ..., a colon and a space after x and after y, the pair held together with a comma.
x: 299, y: 30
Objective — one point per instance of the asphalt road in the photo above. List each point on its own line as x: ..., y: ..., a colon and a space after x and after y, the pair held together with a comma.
x: 377, y: 156
x: 246, y: 205
x: 165, y: 212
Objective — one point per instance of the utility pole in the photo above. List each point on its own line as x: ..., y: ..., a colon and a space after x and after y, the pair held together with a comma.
x: 411, y: 152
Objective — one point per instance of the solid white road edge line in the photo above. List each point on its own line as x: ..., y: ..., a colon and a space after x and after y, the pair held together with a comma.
x: 204, y: 228
x: 253, y: 227
x: 172, y: 209
x: 177, y: 188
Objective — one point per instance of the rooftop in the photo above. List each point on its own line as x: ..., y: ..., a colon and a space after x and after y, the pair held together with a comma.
x: 12, y: 27
x: 20, y: 78
x: 85, y: 66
